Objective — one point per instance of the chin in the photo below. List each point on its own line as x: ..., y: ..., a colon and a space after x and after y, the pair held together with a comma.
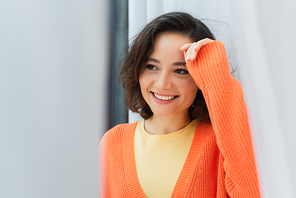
x: 162, y: 113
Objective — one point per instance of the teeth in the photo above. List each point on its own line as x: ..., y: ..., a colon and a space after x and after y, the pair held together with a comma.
x: 163, y: 97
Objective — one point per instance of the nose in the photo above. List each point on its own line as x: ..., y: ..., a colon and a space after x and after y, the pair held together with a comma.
x: 164, y: 81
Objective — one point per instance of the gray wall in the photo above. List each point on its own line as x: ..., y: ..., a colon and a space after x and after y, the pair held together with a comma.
x: 53, y: 69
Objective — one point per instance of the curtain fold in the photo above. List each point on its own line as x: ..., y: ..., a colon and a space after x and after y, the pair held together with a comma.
x: 264, y: 69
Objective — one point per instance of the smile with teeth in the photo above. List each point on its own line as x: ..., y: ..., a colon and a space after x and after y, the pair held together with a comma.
x: 164, y: 97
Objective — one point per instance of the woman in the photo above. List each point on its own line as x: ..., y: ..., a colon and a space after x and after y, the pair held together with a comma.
x: 194, y: 140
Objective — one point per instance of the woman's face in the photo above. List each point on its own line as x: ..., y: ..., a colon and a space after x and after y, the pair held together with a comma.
x: 165, y: 83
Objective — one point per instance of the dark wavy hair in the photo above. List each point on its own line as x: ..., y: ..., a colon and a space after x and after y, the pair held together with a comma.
x: 141, y: 48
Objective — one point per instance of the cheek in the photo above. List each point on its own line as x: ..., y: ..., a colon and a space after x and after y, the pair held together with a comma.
x: 141, y: 82
x: 192, y: 92
x: 144, y: 84
x: 190, y: 89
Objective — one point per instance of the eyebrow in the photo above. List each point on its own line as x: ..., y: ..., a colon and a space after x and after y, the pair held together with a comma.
x: 153, y: 60
x: 179, y: 63
x: 175, y: 63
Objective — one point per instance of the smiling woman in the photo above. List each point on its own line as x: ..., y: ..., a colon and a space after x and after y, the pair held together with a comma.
x: 194, y: 140
x: 166, y: 86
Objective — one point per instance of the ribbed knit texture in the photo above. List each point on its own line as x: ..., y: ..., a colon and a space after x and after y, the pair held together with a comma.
x: 220, y: 162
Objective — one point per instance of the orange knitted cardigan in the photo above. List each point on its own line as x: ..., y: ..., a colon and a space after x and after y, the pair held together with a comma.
x: 220, y: 162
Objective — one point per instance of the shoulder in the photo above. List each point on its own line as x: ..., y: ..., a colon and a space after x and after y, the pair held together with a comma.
x: 115, y: 134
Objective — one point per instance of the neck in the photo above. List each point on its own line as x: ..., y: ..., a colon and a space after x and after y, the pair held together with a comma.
x: 158, y: 125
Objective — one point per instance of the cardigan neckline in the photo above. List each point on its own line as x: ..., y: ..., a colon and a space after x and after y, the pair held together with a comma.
x: 186, y: 172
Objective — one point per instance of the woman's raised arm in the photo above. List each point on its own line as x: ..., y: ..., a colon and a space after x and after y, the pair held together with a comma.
x: 208, y: 65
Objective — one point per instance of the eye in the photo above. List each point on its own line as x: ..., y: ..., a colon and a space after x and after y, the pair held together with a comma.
x: 181, y: 71
x: 151, y: 67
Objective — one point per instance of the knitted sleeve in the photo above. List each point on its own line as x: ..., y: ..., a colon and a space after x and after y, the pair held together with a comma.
x: 224, y: 98
x: 111, y: 163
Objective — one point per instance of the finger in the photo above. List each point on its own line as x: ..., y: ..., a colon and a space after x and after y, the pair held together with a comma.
x: 185, y: 46
x: 193, y: 52
x: 184, y: 53
x: 189, y: 52
x: 195, y: 49
x: 203, y: 43
x: 192, y: 49
x: 193, y: 55
x: 199, y: 45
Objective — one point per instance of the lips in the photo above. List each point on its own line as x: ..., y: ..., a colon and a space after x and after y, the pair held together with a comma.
x: 163, y: 99
x: 160, y: 97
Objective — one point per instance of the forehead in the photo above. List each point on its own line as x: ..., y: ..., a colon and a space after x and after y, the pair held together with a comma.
x: 168, y: 44
x: 165, y: 37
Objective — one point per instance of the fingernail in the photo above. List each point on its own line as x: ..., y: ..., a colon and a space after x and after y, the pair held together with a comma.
x: 192, y: 56
x: 187, y: 57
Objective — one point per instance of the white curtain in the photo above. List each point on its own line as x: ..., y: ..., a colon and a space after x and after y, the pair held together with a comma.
x: 259, y: 37
x: 53, y: 69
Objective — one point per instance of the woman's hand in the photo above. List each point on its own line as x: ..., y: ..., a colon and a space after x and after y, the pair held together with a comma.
x: 191, y: 49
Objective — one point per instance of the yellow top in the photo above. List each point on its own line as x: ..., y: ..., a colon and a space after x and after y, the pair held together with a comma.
x: 160, y: 158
